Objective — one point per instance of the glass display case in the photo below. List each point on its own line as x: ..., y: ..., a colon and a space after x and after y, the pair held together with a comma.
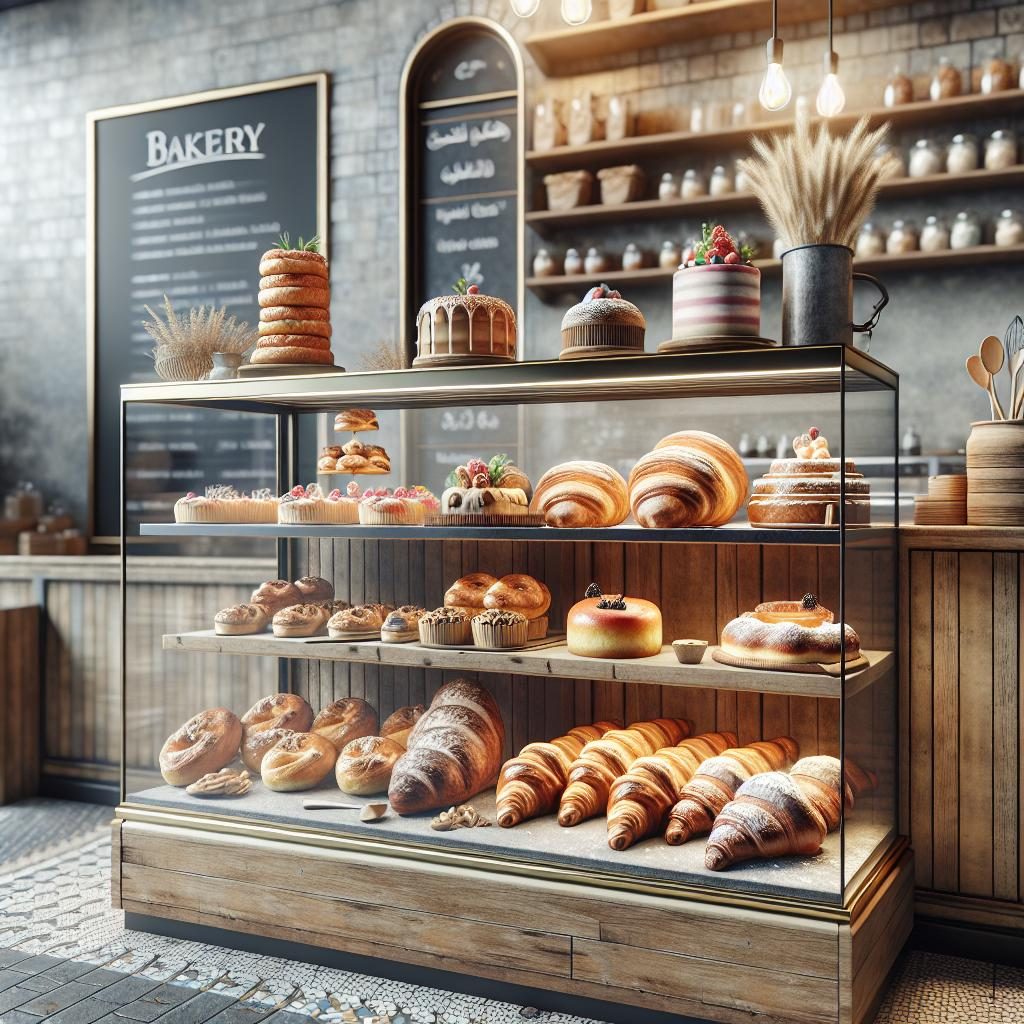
x: 702, y: 579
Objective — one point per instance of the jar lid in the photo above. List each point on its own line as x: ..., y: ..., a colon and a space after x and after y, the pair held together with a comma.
x: 630, y: 247
x: 690, y: 174
x: 961, y: 137
x: 1001, y: 133
x: 1007, y: 215
x: 667, y: 176
x: 923, y: 144
x: 669, y: 244
x: 933, y: 221
x: 593, y: 251
x: 966, y: 215
x: 572, y: 252
x: 542, y: 252
x: 719, y: 169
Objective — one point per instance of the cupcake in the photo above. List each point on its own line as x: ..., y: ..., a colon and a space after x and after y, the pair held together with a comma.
x: 446, y: 627
x: 603, y: 324
x: 494, y: 628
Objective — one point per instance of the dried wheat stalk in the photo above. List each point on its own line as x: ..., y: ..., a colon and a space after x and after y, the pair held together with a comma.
x: 818, y: 190
x: 385, y: 355
x: 205, y: 331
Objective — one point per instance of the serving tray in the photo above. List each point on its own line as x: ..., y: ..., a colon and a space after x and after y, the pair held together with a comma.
x: 808, y: 668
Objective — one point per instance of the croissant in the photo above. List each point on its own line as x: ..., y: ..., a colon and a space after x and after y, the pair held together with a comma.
x: 639, y: 800
x: 692, y: 478
x: 603, y: 760
x: 819, y: 777
x: 452, y: 753
x: 581, y: 494
x: 529, y: 785
x: 770, y: 817
x: 715, y: 783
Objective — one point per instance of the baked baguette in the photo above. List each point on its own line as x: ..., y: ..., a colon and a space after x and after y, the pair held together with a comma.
x: 715, y: 783
x: 640, y: 799
x: 530, y: 785
x: 581, y: 494
x: 603, y: 760
x: 452, y: 753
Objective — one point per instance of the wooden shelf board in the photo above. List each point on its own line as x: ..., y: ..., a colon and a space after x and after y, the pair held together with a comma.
x: 980, y: 254
x: 553, y: 662
x: 634, y: 148
x: 559, y: 52
x: 545, y: 221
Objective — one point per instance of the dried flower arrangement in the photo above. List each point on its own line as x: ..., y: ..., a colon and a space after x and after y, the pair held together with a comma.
x: 185, y: 345
x: 385, y: 355
x: 818, y: 190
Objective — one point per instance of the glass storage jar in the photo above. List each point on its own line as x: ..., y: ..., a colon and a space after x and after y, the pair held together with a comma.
x: 741, y: 181
x: 902, y: 237
x: 573, y: 262
x: 898, y: 89
x: 925, y: 159
x: 668, y: 187
x: 870, y: 242
x: 595, y: 262
x: 721, y: 182
x: 1000, y: 150
x: 1009, y: 228
x: 544, y: 264
x: 996, y: 74
x: 693, y: 185
x: 670, y: 256
x: 934, y: 235
x: 966, y: 231
x: 632, y: 257
x: 947, y: 81
x: 962, y: 155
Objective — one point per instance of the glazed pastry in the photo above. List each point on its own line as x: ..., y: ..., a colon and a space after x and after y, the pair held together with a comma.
x: 204, y: 744
x: 692, y: 478
x: 276, y: 594
x: 639, y: 800
x: 613, y: 627
x: 221, y: 504
x: 467, y: 592
x: 453, y: 752
x: 299, y: 761
x: 347, y: 719
x: 365, y: 765
x: 446, y: 627
x: 603, y: 760
x: 315, y: 588
x: 400, y: 723
x: 287, y: 711
x: 715, y: 783
x: 465, y: 327
x: 358, y: 621
x: 241, y: 620
x: 532, y: 783
x: 603, y: 324
x: 300, y: 620
x: 519, y: 593
x: 581, y: 494
x: 494, y: 628
x: 770, y: 817
x: 402, y: 624
x: 355, y: 420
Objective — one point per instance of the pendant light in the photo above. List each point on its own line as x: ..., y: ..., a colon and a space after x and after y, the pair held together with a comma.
x: 577, y: 12
x: 831, y: 98
x: 775, y: 91
x: 525, y: 8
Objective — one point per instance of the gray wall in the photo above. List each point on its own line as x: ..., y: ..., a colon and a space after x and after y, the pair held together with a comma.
x: 60, y: 59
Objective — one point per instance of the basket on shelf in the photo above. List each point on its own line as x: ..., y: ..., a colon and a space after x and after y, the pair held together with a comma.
x: 189, y: 364
x: 569, y: 189
x: 623, y: 184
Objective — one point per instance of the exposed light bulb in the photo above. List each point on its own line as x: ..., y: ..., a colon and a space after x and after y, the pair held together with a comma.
x: 576, y: 12
x: 775, y: 91
x: 525, y: 8
x: 831, y: 98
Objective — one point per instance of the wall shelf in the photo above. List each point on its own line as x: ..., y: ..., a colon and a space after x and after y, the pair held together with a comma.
x: 553, y: 662
x: 637, y: 147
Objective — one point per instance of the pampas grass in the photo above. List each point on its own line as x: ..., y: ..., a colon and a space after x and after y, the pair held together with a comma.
x: 818, y: 190
x: 385, y: 355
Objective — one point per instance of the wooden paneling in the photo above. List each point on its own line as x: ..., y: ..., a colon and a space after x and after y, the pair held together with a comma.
x: 19, y: 703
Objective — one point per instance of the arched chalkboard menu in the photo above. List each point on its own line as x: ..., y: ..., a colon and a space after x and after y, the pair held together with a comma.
x: 462, y: 174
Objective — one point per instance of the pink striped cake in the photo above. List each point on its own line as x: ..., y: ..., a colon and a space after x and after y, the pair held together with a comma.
x: 716, y: 300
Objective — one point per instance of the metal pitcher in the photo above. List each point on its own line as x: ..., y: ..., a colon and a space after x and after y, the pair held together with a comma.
x: 817, y: 296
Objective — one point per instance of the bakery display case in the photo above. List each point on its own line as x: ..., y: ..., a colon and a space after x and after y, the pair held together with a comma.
x: 668, y: 816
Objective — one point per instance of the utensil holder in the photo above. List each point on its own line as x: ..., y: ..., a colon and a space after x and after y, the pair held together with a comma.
x: 995, y: 473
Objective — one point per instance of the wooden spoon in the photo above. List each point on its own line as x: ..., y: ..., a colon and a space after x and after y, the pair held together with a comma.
x: 977, y: 372
x: 993, y: 355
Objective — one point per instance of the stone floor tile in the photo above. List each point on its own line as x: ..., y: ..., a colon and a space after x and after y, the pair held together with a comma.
x: 39, y: 983
x: 101, y: 977
x: 37, y: 964
x: 286, y: 1017
x: 85, y: 1012
x: 67, y: 971
x: 12, y: 998
x: 19, y: 1017
x: 127, y: 990
x: 241, y: 1013
x: 47, y: 1003
x: 8, y: 979
x: 10, y: 957
x: 198, y: 1009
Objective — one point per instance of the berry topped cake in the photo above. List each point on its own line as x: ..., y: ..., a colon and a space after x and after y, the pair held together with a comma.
x: 494, y: 488
x: 716, y: 293
x: 603, y: 324
x: 465, y: 327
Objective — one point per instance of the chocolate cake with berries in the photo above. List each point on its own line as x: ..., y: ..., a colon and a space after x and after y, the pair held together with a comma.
x: 603, y: 324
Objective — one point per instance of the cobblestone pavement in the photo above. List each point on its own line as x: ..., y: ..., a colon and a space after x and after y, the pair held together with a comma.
x: 66, y: 958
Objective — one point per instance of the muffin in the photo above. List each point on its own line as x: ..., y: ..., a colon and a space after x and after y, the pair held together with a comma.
x: 447, y: 627
x: 603, y: 324
x: 495, y: 628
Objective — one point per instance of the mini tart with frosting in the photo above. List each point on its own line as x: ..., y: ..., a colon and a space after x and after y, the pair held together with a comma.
x: 446, y: 626
x: 241, y: 620
x: 223, y: 504
x: 603, y: 324
x: 405, y: 506
x: 498, y: 628
x: 310, y: 505
x: 613, y: 627
x: 790, y: 633
x: 465, y: 327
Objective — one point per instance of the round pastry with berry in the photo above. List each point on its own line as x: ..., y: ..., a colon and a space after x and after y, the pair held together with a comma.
x: 603, y: 324
x: 613, y: 626
x: 465, y: 327
x: 404, y: 506
x: 478, y: 488
x: 311, y: 505
x: 716, y: 293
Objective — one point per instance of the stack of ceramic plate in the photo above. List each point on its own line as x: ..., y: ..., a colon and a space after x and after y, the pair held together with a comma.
x: 945, y: 504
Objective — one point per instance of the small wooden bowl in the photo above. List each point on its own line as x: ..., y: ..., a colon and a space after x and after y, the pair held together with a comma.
x: 689, y: 652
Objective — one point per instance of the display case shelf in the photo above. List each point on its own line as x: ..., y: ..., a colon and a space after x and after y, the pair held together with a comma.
x: 552, y: 662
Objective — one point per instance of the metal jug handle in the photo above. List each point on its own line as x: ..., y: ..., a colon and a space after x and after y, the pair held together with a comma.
x: 872, y: 322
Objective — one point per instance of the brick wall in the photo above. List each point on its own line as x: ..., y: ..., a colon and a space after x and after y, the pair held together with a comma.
x: 61, y: 58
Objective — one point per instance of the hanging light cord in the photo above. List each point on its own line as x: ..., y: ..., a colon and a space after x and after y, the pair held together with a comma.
x: 775, y: 20
x: 830, y: 46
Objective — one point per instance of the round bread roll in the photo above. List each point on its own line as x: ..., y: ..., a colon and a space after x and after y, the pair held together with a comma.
x: 467, y: 592
x: 295, y: 297
x: 299, y: 761
x: 364, y: 765
x: 345, y: 720
x: 399, y: 723
x: 271, y: 313
x: 276, y: 594
x: 241, y: 620
x: 519, y: 593
x: 310, y: 341
x: 630, y: 632
x: 278, y: 711
x: 315, y: 588
x: 256, y: 744
x: 292, y: 281
x: 292, y: 355
x: 692, y: 478
x: 318, y: 328
x: 581, y: 494
x: 204, y: 744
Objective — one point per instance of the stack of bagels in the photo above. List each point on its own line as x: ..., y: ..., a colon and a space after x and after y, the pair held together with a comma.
x: 295, y: 308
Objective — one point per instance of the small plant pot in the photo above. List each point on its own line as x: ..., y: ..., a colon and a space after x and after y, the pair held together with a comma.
x: 689, y: 652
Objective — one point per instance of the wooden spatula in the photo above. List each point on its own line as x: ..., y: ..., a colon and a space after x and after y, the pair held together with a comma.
x: 993, y: 355
x: 977, y: 372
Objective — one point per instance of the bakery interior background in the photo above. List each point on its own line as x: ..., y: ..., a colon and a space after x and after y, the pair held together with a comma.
x: 62, y: 58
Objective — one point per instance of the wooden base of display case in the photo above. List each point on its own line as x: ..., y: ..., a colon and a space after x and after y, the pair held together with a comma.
x: 697, y: 954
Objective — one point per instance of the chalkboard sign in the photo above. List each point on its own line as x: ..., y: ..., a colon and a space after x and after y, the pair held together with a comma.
x: 186, y: 194
x: 462, y: 172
